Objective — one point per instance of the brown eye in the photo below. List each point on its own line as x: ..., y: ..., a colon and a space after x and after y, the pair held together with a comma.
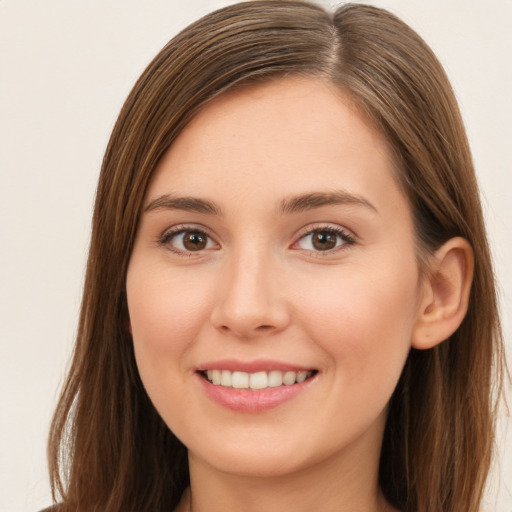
x: 324, y: 240
x: 188, y: 240
x: 194, y: 241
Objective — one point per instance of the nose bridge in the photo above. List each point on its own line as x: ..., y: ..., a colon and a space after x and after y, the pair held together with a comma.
x: 249, y: 301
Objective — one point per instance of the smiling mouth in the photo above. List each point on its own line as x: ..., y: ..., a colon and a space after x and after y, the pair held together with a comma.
x: 256, y: 381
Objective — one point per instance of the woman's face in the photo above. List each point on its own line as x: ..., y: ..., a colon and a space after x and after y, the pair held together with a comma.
x: 274, y: 245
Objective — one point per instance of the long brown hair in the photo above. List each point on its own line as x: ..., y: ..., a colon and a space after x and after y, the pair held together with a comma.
x: 108, y: 448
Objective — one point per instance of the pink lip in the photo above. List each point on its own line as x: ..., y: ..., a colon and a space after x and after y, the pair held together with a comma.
x: 246, y: 400
x: 257, y: 365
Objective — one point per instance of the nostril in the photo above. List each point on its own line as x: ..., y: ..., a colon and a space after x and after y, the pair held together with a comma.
x: 259, y: 328
x: 263, y: 327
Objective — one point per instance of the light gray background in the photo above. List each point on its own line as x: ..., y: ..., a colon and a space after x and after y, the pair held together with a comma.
x: 65, y: 68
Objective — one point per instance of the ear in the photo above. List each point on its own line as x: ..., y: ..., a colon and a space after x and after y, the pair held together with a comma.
x: 445, y: 298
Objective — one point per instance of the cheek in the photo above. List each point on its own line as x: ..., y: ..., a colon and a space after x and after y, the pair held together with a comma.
x: 364, y: 321
x: 166, y: 313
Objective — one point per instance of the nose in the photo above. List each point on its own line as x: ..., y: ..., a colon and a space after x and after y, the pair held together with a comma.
x: 250, y: 302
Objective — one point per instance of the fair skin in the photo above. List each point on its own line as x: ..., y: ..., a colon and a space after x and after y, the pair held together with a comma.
x: 274, y: 236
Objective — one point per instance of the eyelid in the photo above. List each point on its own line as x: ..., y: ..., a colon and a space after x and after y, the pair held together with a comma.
x: 175, y: 230
x: 348, y: 237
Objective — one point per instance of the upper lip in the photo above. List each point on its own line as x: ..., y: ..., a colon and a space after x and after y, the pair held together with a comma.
x: 256, y: 365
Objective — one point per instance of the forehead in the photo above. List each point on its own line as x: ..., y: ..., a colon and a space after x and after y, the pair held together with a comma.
x: 286, y: 137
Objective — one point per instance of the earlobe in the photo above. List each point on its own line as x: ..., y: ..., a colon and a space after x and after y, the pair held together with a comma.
x: 445, y: 296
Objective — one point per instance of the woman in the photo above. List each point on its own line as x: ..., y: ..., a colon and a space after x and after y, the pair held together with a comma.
x: 289, y: 299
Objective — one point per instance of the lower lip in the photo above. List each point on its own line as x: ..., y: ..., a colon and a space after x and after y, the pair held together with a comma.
x: 246, y: 400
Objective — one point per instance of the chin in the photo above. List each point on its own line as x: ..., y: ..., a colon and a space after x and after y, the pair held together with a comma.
x: 279, y: 449
x: 254, y: 463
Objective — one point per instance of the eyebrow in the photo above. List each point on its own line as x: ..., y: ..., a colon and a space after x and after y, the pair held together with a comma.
x: 289, y: 205
x: 189, y: 204
x: 313, y: 200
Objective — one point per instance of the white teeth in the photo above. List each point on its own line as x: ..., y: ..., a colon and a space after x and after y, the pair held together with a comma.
x: 216, y: 374
x: 275, y: 379
x: 301, y: 376
x: 289, y: 378
x: 225, y: 378
x: 258, y: 380
x: 240, y: 380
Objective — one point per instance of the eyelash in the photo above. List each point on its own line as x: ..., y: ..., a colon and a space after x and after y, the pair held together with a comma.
x: 168, y: 236
x: 345, y: 238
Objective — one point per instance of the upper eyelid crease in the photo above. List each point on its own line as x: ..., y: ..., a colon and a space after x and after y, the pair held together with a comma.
x: 338, y: 231
x: 185, y: 228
